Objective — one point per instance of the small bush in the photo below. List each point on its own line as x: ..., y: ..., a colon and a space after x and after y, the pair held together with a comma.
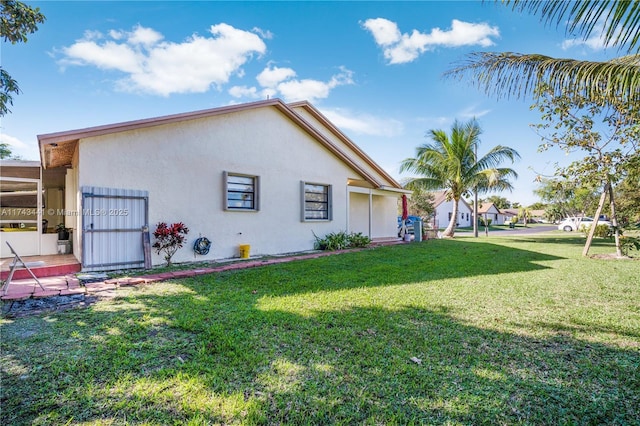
x: 341, y: 240
x: 169, y: 238
x: 358, y: 240
x: 629, y: 244
x: 484, y: 222
x: 602, y: 230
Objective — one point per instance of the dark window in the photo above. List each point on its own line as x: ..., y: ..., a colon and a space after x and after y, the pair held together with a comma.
x: 316, y: 201
x: 242, y: 192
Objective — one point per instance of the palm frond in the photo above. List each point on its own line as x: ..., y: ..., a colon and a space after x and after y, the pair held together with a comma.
x: 618, y: 21
x: 508, y: 74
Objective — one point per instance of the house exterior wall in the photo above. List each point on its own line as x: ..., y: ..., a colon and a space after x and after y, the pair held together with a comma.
x: 505, y: 218
x: 358, y: 213
x: 385, y: 222
x: 379, y: 209
x: 182, y: 167
x: 494, y: 214
x: 465, y: 214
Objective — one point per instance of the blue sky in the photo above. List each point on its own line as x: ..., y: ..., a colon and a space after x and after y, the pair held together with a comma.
x: 374, y: 68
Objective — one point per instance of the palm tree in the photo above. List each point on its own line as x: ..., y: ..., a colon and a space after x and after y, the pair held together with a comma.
x: 514, y: 74
x: 524, y: 213
x: 450, y: 163
x: 605, y: 83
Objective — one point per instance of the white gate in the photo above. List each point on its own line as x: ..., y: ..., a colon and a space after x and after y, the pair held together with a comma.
x: 113, y: 223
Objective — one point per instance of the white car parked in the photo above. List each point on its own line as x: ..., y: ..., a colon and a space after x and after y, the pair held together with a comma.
x: 575, y: 223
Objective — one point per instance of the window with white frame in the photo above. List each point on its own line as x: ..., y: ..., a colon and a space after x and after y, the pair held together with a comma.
x: 316, y: 201
x: 241, y: 192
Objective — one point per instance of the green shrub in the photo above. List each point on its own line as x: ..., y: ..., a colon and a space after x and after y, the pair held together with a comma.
x: 341, y: 240
x: 484, y: 222
x: 629, y: 244
x: 358, y: 240
x: 602, y: 230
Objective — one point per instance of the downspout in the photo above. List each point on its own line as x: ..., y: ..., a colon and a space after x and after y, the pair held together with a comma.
x: 370, y: 213
x: 348, y: 209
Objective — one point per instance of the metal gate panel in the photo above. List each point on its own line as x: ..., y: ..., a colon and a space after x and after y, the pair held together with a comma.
x: 113, y: 221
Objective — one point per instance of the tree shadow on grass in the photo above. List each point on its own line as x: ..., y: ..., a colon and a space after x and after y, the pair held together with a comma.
x: 574, y: 240
x: 360, y: 365
x: 395, y: 265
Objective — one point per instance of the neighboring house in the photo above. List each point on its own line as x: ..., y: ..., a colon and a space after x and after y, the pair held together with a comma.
x: 509, y: 214
x: 535, y: 215
x: 444, y: 210
x: 267, y: 174
x: 490, y: 211
x: 538, y: 215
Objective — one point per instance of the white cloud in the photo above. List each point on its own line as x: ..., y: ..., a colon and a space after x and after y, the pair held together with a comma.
x: 244, y: 92
x: 144, y: 36
x: 282, y: 82
x: 400, y: 47
x: 385, y: 32
x: 270, y: 77
x: 364, y: 124
x: 155, y: 66
x: 595, y: 43
x: 265, y: 34
x: 19, y: 148
x: 471, y: 112
x: 296, y: 90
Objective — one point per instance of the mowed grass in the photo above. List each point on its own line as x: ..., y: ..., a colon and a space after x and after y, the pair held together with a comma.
x: 467, y: 331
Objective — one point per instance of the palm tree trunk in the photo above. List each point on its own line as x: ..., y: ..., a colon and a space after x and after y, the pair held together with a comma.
x: 451, y: 229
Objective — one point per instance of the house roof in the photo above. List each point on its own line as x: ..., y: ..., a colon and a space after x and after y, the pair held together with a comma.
x: 57, y: 149
x: 342, y: 137
x: 485, y: 207
x: 440, y: 197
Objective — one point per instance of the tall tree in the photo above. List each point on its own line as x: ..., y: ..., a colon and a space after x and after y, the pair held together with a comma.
x: 628, y: 198
x: 421, y: 203
x: 450, y: 163
x: 565, y: 198
x: 606, y: 131
x: 499, y: 202
x: 524, y: 213
x: 611, y: 83
x: 17, y: 20
x: 5, y: 151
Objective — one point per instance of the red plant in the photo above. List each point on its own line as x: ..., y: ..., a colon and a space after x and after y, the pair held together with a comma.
x: 169, y: 239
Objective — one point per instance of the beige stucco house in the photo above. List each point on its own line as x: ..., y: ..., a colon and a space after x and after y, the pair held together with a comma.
x: 267, y: 174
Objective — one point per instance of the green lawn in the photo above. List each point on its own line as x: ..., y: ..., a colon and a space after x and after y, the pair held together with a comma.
x: 492, y: 330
